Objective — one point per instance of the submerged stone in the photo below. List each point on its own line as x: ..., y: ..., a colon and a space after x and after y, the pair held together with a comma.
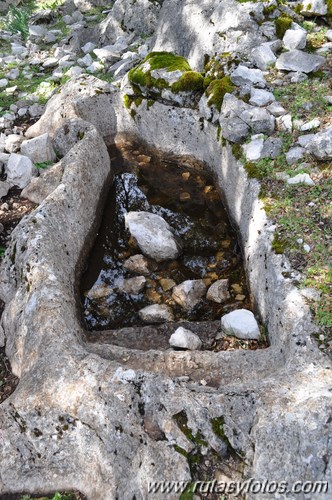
x: 189, y: 293
x: 154, y: 235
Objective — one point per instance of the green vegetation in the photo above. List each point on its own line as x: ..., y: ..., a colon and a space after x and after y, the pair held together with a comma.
x: 189, y: 81
x: 2, y: 252
x: 43, y: 165
x: 282, y: 24
x: 217, y: 89
x: 141, y: 74
x: 56, y: 496
x: 16, y: 21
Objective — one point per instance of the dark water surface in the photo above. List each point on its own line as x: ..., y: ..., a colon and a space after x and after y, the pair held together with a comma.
x: 185, y: 196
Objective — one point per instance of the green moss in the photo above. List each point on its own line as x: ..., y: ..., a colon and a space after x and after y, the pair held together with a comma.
x: 217, y: 89
x: 168, y: 61
x: 207, y: 80
x: 282, y: 24
x: 269, y: 9
x: 138, y: 101
x: 278, y: 245
x: 237, y: 151
x: 150, y: 103
x: 189, y: 81
x: 133, y: 114
x: 161, y: 60
x: 127, y: 100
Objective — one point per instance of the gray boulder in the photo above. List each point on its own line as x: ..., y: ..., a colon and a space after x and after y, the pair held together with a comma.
x: 253, y: 150
x: 4, y: 188
x: 240, y: 323
x: 237, y: 119
x: 321, y: 145
x: 296, y: 60
x: 313, y: 8
x: 154, y: 235
x: 40, y: 187
x: 260, y: 97
x: 294, y: 39
x: 13, y: 143
x: 244, y: 76
x: 185, y: 339
x: 189, y: 293
x: 272, y: 148
x: 263, y: 56
x: 20, y: 170
x: 39, y: 149
x: 156, y: 314
x: 294, y: 154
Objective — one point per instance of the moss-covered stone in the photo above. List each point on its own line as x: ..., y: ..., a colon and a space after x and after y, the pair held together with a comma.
x: 189, y: 81
x: 141, y: 74
x: 282, y: 24
x: 217, y: 89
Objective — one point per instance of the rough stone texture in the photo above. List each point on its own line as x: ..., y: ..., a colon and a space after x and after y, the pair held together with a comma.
x: 218, y: 291
x: 260, y: 97
x: 20, y: 170
x: 294, y: 154
x: 267, y: 399
x: 263, y: 57
x: 321, y: 145
x: 137, y: 264
x: 154, y: 235
x: 296, y: 60
x: 301, y: 179
x: 294, y: 39
x: 189, y: 293
x: 193, y: 29
x: 272, y: 148
x: 241, y: 323
x: 39, y: 149
x: 312, y: 8
x: 40, y: 187
x: 156, y: 314
x: 245, y: 76
x: 185, y: 339
x: 4, y: 188
x: 130, y: 16
x: 132, y: 285
x: 253, y: 150
x: 237, y: 118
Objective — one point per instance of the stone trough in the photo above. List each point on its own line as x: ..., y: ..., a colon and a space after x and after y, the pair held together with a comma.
x: 100, y: 418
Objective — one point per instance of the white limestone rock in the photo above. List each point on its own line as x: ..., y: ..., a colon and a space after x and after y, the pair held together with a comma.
x: 189, y: 293
x: 313, y: 8
x: 156, y: 313
x: 321, y: 145
x: 263, y: 56
x: 260, y: 97
x: 297, y: 60
x: 20, y: 170
x: 240, y: 323
x: 154, y: 235
x: 185, y: 339
x: 39, y: 149
x: 301, y: 179
x: 294, y: 39
x: 246, y: 76
x: 254, y: 148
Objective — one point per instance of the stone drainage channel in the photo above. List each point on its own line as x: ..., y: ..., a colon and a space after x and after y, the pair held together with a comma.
x: 84, y: 412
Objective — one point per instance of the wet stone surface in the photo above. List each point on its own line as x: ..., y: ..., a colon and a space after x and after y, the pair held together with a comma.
x: 185, y: 196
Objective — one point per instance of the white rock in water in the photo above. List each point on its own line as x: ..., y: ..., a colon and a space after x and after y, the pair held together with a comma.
x: 218, y: 291
x: 156, y: 314
x: 154, y: 235
x: 240, y: 323
x: 20, y: 170
x: 189, y: 293
x: 137, y: 264
x: 132, y: 285
x: 185, y: 339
